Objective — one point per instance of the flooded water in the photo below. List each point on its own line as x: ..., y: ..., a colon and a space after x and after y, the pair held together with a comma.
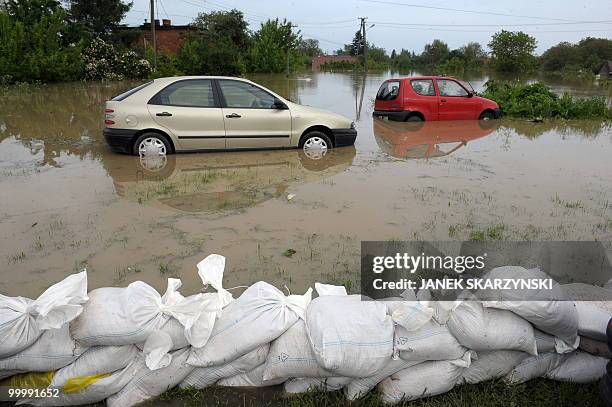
x: 68, y: 202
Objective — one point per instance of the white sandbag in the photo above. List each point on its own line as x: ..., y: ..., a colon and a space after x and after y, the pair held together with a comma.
x: 484, y: 329
x: 592, y: 320
x: 350, y: 337
x: 544, y: 342
x: 431, y: 342
x: 424, y: 380
x: 260, y: 315
x: 254, y: 378
x: 176, y: 331
x: 53, y: 350
x: 202, y: 377
x: 411, y: 315
x: 124, y: 316
x: 534, y: 367
x: 291, y: 355
x: 329, y: 289
x: 95, y: 392
x: 147, y: 384
x: 492, y: 365
x: 551, y: 313
x: 579, y: 367
x: 303, y: 385
x: 360, y: 387
x: 156, y: 350
x: 95, y: 361
x: 8, y: 373
x: 22, y: 320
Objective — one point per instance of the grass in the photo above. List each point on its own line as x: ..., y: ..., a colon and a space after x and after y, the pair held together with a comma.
x: 289, y: 252
x: 540, y: 393
x: 495, y: 232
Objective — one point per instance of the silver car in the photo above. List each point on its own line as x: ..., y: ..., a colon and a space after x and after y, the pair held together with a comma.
x: 202, y: 113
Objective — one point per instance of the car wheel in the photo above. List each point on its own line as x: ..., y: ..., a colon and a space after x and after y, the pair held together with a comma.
x: 151, y: 144
x: 487, y: 116
x: 414, y: 118
x: 315, y: 145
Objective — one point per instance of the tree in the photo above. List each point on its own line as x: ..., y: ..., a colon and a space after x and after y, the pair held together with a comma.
x: 561, y: 56
x: 357, y: 44
x: 434, y: 54
x: 34, y: 45
x: 98, y: 17
x: 218, y: 46
x: 310, y: 47
x: 270, y: 46
x: 594, y: 51
x: 393, y: 54
x: 513, y: 51
x: 473, y: 55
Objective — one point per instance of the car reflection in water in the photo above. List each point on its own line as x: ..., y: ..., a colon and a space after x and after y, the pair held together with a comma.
x: 219, y: 182
x: 428, y: 139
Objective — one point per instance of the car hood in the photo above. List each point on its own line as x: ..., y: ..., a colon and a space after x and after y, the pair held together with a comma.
x: 333, y: 120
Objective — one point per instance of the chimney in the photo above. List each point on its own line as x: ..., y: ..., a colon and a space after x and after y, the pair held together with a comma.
x: 166, y: 22
x: 156, y: 22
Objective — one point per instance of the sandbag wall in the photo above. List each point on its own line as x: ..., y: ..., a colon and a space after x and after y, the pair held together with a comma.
x: 127, y: 345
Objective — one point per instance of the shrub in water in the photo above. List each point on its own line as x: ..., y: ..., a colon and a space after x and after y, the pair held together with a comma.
x: 104, y: 62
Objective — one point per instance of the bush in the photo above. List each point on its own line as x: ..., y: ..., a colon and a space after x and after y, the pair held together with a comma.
x: 104, y: 62
x: 538, y: 100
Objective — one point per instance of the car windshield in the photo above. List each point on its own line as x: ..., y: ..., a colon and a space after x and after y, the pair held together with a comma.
x: 388, y: 90
x: 466, y: 85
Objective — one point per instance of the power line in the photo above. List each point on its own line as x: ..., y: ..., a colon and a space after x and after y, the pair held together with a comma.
x: 391, y: 23
x: 492, y: 13
x: 488, y: 31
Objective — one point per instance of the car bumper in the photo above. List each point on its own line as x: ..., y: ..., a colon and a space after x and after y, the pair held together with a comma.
x: 119, y: 140
x: 344, y: 137
x: 392, y: 115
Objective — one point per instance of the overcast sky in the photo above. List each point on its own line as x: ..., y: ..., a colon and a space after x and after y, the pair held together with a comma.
x: 334, y: 22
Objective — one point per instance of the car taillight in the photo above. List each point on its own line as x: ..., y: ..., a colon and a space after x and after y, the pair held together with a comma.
x: 109, y: 111
x: 108, y: 121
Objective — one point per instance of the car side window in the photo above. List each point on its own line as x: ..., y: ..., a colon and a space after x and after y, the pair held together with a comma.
x: 423, y: 87
x: 244, y: 95
x: 451, y: 88
x: 388, y: 90
x: 189, y: 93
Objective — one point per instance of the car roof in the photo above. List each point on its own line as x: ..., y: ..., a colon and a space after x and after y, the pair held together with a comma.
x: 425, y: 77
x: 170, y: 79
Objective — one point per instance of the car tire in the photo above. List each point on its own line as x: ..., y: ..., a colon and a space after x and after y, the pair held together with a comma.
x: 315, y: 144
x: 487, y: 116
x: 414, y: 118
x: 154, y: 140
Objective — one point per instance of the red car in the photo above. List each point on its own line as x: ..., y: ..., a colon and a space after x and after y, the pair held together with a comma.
x: 431, y: 98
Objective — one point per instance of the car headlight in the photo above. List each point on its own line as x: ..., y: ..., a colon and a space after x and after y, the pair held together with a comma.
x: 352, y: 125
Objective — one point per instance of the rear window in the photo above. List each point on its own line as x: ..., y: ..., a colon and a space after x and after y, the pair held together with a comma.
x: 388, y: 90
x: 187, y: 93
x: 130, y: 92
x: 423, y: 87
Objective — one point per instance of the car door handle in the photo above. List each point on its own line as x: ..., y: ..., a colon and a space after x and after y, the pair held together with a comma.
x: 163, y: 114
x: 442, y: 100
x: 233, y: 116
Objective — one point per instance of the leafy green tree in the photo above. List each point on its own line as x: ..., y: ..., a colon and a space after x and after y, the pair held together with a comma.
x: 98, y: 17
x: 434, y: 54
x: 218, y: 46
x: 513, y: 51
x: 271, y: 45
x: 473, y: 55
x: 560, y: 56
x: 309, y: 47
x: 404, y: 61
x: 34, y: 43
x: 594, y: 52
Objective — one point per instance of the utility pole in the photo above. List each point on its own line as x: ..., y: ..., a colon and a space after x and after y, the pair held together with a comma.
x: 365, y: 42
x: 153, y: 35
x: 290, y: 26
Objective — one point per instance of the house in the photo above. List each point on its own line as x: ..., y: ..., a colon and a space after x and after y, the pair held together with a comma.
x: 606, y: 70
x: 323, y: 59
x: 168, y: 37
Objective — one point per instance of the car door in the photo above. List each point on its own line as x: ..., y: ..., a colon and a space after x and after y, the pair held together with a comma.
x: 191, y: 111
x: 455, y: 102
x: 424, y: 98
x: 253, y: 117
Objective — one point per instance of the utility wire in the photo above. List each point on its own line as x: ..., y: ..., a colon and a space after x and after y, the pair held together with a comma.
x: 492, y: 13
x: 391, y: 23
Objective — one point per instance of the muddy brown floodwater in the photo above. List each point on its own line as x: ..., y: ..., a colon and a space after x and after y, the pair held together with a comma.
x: 68, y: 202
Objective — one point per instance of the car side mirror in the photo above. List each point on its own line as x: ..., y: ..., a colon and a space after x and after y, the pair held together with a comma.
x: 470, y: 94
x: 279, y: 105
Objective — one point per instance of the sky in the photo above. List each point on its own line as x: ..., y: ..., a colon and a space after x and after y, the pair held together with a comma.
x: 408, y: 24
